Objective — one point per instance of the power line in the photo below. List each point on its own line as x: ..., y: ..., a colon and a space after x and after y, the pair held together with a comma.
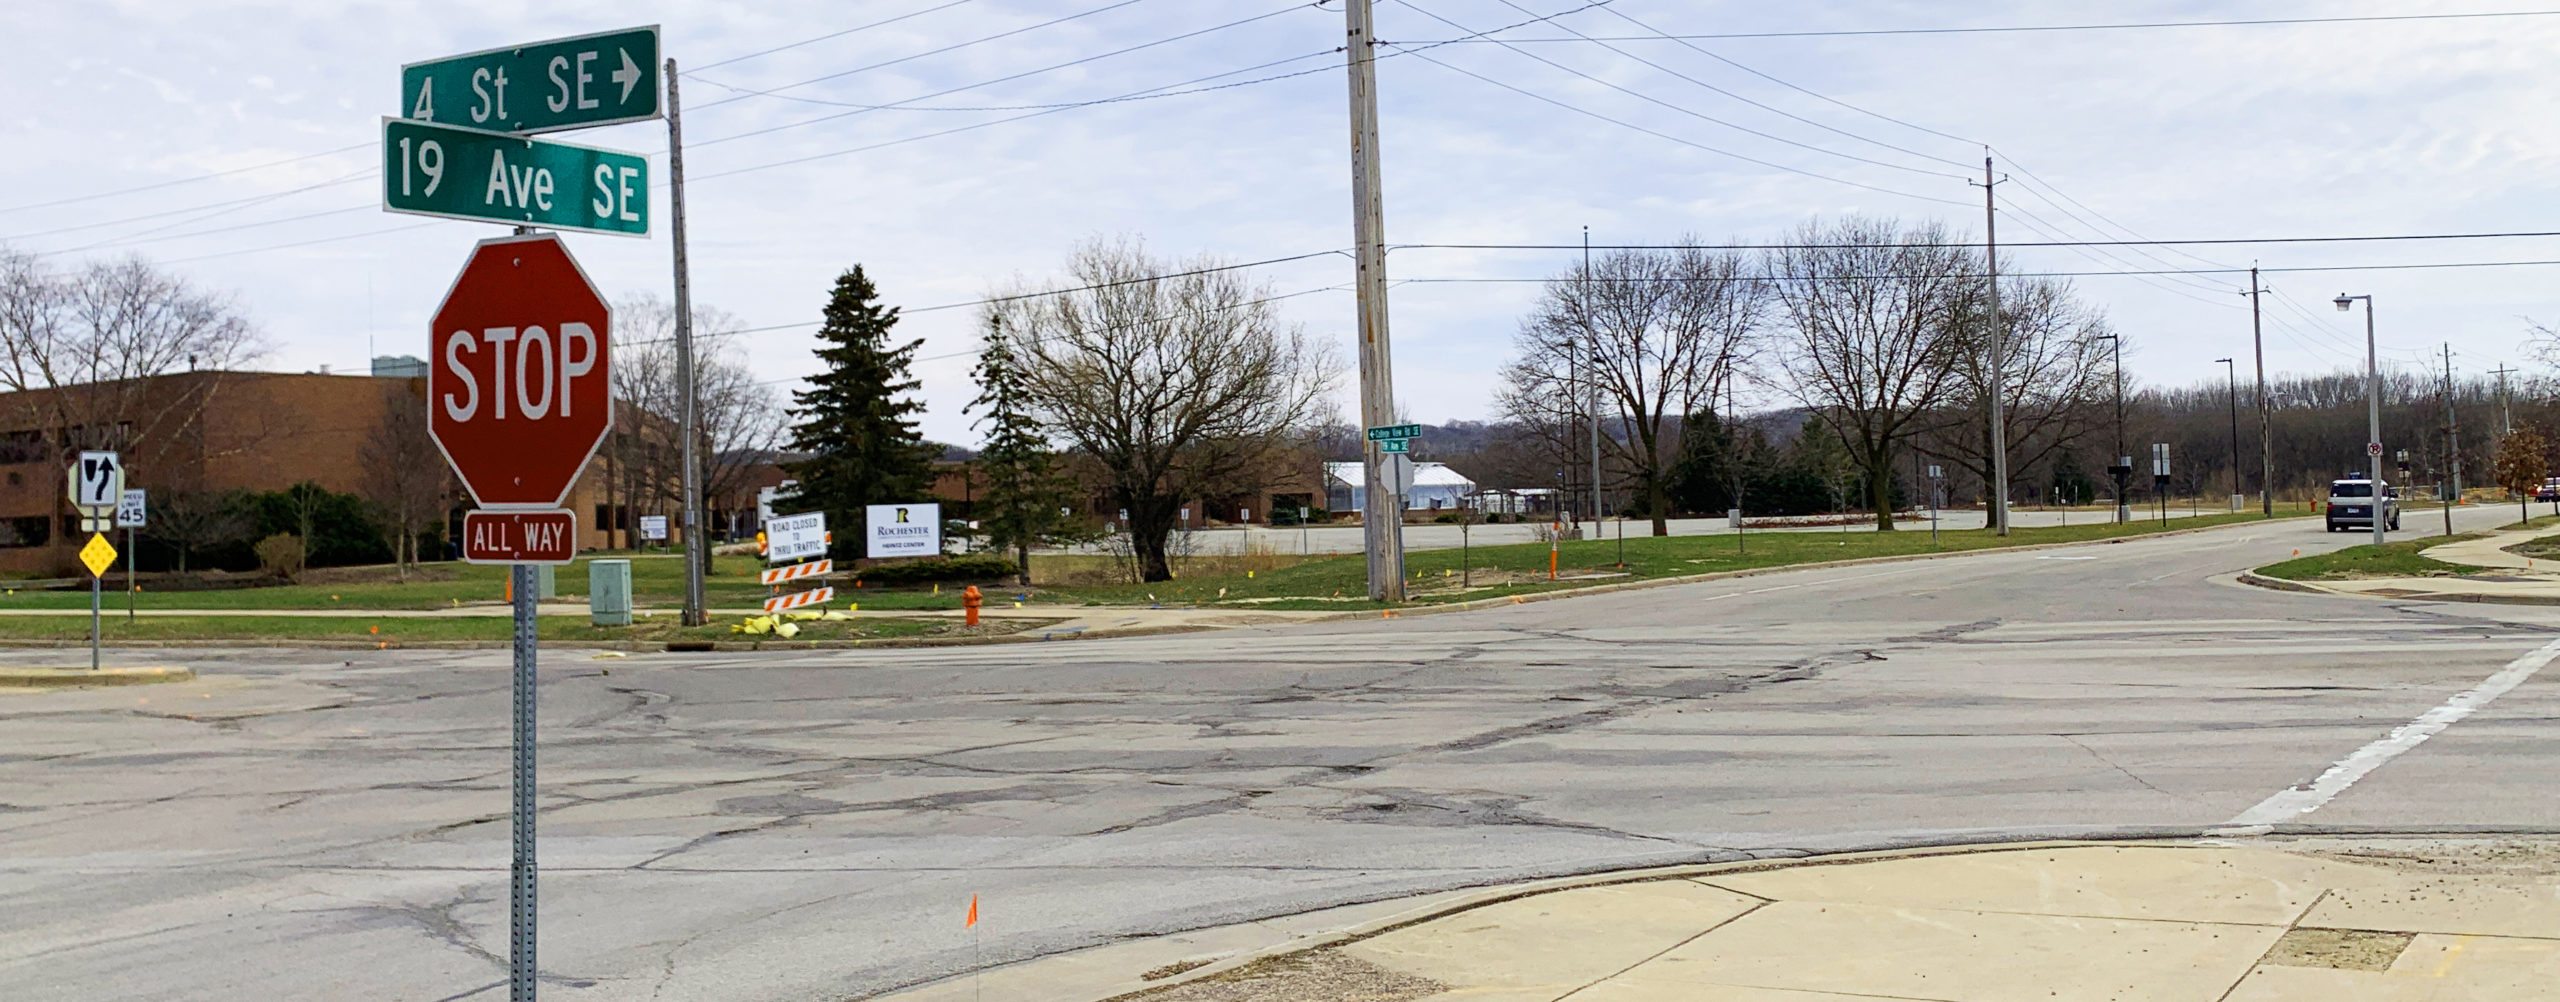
x: 2216, y: 269
x: 821, y: 38
x: 2023, y: 28
x: 1065, y: 105
x: 954, y: 47
x: 1682, y: 110
x: 186, y: 180
x: 1667, y: 136
x: 1694, y: 47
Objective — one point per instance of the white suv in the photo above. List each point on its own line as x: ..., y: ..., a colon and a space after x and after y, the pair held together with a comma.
x: 2351, y: 505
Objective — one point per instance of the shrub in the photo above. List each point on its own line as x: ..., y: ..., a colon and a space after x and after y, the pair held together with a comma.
x: 281, y: 555
x: 972, y: 567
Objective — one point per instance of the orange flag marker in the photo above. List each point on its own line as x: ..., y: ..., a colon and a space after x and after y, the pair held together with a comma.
x: 973, y: 913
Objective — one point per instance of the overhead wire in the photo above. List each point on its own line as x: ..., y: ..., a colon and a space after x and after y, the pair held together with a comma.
x: 910, y: 15
x: 1579, y: 110
x: 2108, y: 26
x: 1691, y: 112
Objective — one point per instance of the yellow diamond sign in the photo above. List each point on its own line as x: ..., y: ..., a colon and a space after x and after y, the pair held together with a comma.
x: 99, y: 555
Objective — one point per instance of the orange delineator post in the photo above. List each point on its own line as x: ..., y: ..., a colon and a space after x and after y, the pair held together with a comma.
x: 969, y: 601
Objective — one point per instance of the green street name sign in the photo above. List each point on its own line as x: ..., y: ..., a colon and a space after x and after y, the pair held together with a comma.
x: 1395, y: 445
x: 1391, y: 432
x: 564, y: 83
x: 456, y: 173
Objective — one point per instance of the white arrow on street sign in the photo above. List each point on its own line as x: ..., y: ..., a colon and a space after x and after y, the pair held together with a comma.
x: 97, y: 482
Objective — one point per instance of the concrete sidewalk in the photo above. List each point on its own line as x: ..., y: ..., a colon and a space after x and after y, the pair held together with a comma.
x: 2510, y: 579
x: 2312, y: 919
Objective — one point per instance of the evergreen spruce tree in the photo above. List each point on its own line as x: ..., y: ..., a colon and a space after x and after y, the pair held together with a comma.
x: 1024, y: 489
x: 856, y: 420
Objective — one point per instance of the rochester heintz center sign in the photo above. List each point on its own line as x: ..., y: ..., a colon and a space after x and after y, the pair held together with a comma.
x: 902, y: 530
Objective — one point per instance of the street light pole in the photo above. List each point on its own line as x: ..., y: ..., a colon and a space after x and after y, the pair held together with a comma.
x: 2372, y: 407
x: 2231, y: 378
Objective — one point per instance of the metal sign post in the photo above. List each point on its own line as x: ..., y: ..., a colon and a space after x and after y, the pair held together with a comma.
x: 129, y: 516
x: 521, y: 969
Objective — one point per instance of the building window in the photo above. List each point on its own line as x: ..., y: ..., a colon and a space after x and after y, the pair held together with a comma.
x: 27, y: 531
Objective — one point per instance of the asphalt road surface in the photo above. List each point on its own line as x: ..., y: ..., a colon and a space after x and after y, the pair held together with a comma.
x: 783, y: 827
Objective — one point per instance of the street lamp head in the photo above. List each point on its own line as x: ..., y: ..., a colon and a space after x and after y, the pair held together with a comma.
x: 2223, y: 360
x: 2345, y: 302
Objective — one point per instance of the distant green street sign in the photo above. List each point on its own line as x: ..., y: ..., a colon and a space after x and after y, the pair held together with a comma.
x: 1395, y: 445
x: 564, y: 83
x: 441, y: 170
x: 1391, y: 432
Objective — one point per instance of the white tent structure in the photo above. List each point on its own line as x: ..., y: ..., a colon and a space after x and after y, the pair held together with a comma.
x: 1435, y: 487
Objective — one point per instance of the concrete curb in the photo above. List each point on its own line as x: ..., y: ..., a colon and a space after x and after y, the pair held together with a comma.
x: 1544, y: 596
x: 1135, y: 987
x: 2477, y: 598
x: 74, y: 678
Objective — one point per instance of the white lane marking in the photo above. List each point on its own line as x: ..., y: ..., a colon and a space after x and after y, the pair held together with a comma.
x: 2066, y: 558
x: 2294, y: 802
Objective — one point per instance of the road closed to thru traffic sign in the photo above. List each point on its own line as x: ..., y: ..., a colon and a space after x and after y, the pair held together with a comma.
x: 520, y: 379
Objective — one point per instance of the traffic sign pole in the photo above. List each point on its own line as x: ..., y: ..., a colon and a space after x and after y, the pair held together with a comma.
x: 521, y: 969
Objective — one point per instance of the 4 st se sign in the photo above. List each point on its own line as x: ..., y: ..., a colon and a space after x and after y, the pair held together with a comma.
x: 564, y: 83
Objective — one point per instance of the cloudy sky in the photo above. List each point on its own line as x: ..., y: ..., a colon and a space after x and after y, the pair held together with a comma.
x: 236, y: 143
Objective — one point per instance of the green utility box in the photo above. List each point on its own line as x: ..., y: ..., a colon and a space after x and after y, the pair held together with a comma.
x: 609, y: 592
x: 546, y: 582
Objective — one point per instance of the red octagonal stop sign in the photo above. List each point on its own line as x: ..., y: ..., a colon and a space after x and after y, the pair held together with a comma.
x: 519, y: 372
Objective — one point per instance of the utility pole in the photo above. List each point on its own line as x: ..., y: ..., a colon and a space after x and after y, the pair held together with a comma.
x: 1592, y: 394
x: 2266, y: 414
x: 2123, y: 468
x: 697, y: 550
x: 2506, y: 413
x: 2231, y: 380
x: 1378, y: 516
x: 2452, y: 432
x: 1999, y: 384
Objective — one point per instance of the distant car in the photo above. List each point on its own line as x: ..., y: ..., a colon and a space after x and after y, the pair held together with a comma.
x: 2550, y: 490
x: 2352, y: 503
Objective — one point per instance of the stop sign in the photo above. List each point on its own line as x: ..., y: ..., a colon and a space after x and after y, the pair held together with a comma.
x: 519, y: 377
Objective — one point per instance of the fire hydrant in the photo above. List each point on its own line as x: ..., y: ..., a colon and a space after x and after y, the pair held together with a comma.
x: 969, y: 600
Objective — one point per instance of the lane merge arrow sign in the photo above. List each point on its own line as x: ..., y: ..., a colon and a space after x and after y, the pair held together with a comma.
x: 562, y: 83
x: 494, y: 177
x: 97, y: 482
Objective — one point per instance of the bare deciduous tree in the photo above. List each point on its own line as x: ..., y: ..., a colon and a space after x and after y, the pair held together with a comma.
x: 1651, y: 333
x: 97, y: 335
x: 1178, y: 383
x: 1872, y: 334
x: 739, y: 419
x: 2054, y: 373
x: 190, y: 520
x: 406, y: 477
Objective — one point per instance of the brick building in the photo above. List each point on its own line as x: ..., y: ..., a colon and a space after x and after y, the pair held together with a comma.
x: 202, y: 432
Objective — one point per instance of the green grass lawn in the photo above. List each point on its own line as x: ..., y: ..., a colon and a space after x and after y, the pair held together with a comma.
x: 1337, y: 582
x: 1438, y: 575
x: 488, y: 629
x: 656, y: 581
x: 2389, y: 560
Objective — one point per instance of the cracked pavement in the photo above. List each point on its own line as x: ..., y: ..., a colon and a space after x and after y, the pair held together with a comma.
x: 795, y: 826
